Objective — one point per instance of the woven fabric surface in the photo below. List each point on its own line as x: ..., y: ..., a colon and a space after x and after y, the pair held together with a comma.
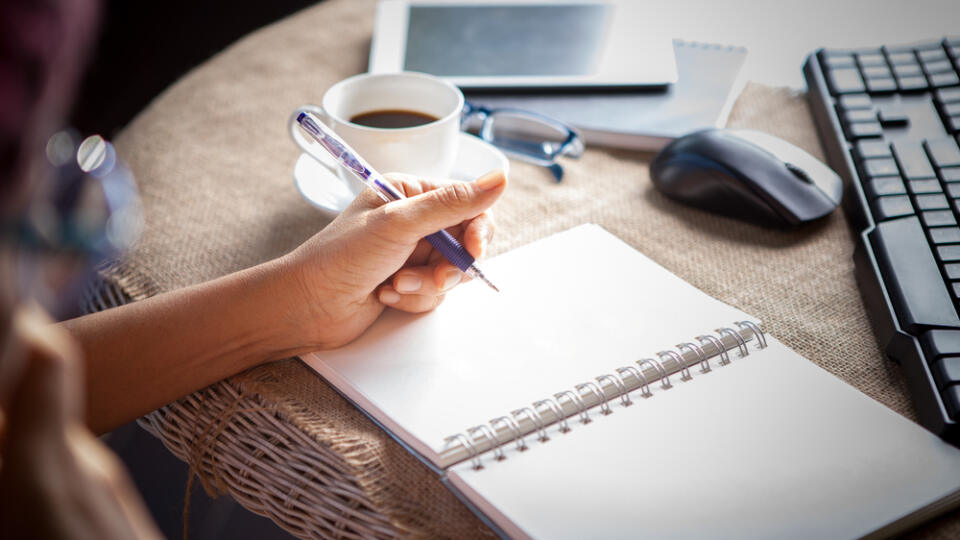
x: 214, y: 163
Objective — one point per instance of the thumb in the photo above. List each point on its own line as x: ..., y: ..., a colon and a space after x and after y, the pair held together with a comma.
x: 450, y: 205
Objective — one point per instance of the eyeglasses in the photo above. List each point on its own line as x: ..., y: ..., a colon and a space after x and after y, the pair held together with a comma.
x: 85, y: 212
x: 524, y: 135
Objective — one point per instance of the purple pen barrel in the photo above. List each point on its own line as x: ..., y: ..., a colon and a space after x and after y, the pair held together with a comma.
x: 449, y: 247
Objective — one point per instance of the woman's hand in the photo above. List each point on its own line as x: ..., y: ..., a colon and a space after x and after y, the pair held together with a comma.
x: 374, y: 255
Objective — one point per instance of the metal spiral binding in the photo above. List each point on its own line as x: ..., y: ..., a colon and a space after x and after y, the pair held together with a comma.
x: 662, y: 371
x: 622, y: 391
x: 761, y: 339
x: 488, y: 434
x: 595, y: 390
x: 474, y: 454
x: 556, y: 408
x: 676, y: 357
x: 701, y: 356
x: 577, y: 402
x: 514, y: 430
x: 536, y: 419
x: 741, y: 343
x: 641, y: 378
x: 724, y: 355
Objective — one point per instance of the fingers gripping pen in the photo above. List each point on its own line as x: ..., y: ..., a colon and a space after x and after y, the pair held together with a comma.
x: 442, y: 241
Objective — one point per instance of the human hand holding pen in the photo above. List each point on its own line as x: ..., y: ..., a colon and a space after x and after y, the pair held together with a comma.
x: 375, y: 254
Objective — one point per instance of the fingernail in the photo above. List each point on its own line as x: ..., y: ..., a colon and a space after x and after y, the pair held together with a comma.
x: 491, y: 180
x: 389, y: 297
x: 483, y: 246
x: 407, y: 283
x: 453, y: 277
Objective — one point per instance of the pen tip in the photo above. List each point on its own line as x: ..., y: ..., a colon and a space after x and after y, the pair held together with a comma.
x: 487, y: 281
x: 475, y: 272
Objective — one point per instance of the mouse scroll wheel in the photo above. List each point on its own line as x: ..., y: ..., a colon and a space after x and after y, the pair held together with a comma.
x: 798, y: 172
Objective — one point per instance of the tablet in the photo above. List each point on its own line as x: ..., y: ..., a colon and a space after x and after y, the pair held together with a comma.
x: 515, y: 44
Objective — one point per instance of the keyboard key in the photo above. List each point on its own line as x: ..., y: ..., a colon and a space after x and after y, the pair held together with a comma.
x: 944, y: 79
x: 886, y: 185
x: 839, y: 61
x: 872, y: 59
x: 846, y: 81
x: 938, y: 218
x: 880, y: 167
x: 873, y: 149
x: 932, y: 55
x: 911, y: 275
x: 881, y: 85
x: 913, y: 160
x: 856, y: 101
x: 919, y: 187
x: 891, y: 115
x: 951, y: 109
x: 948, y: 95
x: 907, y: 70
x: 951, y: 174
x: 949, y: 253
x: 878, y: 72
x: 944, y: 152
x: 951, y: 400
x: 937, y: 343
x: 934, y: 201
x: 953, y: 190
x: 892, y: 206
x: 863, y: 130
x: 901, y: 58
x: 942, y: 66
x: 955, y: 289
x: 953, y: 124
x: 947, y: 235
x: 860, y: 115
x: 946, y: 370
x: 913, y: 84
x: 953, y: 270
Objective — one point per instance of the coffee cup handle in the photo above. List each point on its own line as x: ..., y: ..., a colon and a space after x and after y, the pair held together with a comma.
x: 310, y: 146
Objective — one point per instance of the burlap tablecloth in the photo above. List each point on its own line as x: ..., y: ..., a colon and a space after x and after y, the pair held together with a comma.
x: 214, y: 163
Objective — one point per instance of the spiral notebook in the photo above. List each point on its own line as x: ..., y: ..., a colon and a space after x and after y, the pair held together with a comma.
x: 601, y: 396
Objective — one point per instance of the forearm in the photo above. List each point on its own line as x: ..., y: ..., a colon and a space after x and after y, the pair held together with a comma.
x: 143, y: 355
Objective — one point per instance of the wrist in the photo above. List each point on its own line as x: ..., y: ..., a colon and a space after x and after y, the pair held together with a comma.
x: 287, y: 305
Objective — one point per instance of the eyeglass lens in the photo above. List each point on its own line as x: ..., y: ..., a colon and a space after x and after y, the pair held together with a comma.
x: 526, y: 135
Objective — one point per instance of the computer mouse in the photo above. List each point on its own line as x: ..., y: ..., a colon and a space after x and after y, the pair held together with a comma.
x: 747, y: 175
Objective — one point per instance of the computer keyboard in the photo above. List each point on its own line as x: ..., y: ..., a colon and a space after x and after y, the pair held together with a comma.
x: 888, y: 118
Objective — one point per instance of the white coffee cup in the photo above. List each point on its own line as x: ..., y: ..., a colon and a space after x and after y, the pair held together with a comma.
x: 428, y: 150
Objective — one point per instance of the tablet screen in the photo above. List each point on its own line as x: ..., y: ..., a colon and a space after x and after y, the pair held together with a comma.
x: 518, y: 40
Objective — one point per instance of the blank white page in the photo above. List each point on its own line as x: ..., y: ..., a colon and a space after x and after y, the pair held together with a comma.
x: 573, y: 306
x: 769, y: 446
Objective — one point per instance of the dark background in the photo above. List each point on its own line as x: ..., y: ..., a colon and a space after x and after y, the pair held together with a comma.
x: 145, y: 46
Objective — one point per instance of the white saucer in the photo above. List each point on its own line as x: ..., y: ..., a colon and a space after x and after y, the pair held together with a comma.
x: 323, y: 189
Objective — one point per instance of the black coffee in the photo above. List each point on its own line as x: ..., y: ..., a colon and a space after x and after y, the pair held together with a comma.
x: 392, y: 119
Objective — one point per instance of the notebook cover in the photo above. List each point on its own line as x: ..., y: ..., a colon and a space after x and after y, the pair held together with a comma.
x: 708, y: 85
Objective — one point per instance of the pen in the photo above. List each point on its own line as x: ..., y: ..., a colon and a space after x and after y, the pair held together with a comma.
x: 442, y: 241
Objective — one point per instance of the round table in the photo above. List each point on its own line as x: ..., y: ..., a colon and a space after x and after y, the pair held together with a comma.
x: 214, y: 163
